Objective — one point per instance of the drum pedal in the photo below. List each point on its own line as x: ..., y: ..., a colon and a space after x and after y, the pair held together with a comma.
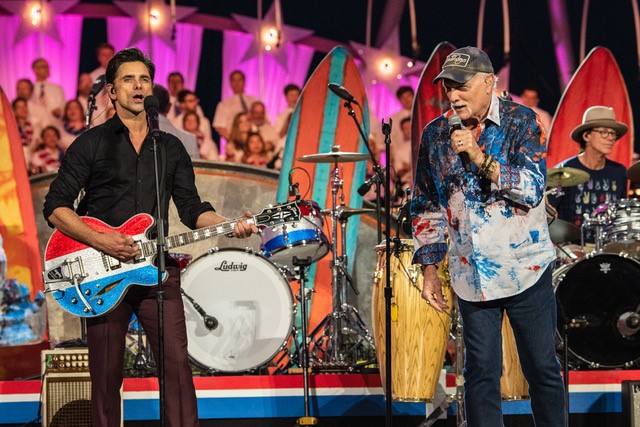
x: 307, y: 421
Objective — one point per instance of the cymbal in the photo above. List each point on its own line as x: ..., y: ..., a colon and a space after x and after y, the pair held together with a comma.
x: 562, y: 232
x: 334, y: 157
x: 633, y: 173
x: 566, y: 177
x: 345, y: 211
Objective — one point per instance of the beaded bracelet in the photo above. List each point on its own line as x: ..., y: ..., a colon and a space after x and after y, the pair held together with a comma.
x: 489, y: 169
x: 485, y: 163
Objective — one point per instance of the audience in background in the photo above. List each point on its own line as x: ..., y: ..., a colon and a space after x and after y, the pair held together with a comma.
x: 47, y: 94
x: 240, y: 129
x: 38, y: 115
x: 84, y: 89
x: 291, y: 94
x: 28, y: 133
x: 403, y: 176
x: 48, y: 155
x: 255, y: 151
x: 73, y: 123
x: 259, y: 124
x: 188, y: 139
x: 175, y: 85
x: 228, y: 108
x: 531, y: 98
x: 206, y: 148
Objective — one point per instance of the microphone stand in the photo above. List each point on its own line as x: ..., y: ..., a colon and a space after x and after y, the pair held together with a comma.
x: 377, y: 171
x: 91, y: 107
x: 160, y: 253
x: 388, y: 291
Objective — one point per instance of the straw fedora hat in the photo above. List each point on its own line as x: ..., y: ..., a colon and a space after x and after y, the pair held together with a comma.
x: 598, y: 116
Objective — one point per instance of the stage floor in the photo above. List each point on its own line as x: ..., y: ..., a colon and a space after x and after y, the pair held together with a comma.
x: 332, y: 395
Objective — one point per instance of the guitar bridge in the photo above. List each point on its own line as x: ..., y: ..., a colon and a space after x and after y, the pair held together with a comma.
x: 69, y: 271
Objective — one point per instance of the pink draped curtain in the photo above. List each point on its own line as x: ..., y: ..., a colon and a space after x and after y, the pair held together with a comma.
x: 185, y: 58
x: 382, y: 100
x: 63, y: 58
x: 275, y: 78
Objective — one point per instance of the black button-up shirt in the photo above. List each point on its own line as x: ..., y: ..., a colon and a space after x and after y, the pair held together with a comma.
x: 119, y: 183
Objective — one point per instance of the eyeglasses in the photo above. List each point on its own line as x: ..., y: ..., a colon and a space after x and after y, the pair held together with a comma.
x: 607, y: 133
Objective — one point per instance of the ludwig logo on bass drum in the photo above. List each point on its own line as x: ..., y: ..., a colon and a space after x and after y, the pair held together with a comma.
x: 231, y: 266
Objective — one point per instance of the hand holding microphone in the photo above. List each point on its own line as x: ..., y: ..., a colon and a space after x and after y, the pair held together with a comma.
x: 463, y: 142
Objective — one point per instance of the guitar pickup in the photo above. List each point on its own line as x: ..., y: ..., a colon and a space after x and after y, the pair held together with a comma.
x: 66, y: 272
x: 110, y: 263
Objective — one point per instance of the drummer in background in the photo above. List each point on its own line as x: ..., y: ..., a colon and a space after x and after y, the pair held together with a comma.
x: 500, y: 252
x: 596, y: 135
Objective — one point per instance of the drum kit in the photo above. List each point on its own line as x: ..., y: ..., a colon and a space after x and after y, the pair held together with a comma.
x: 239, y: 307
x: 597, y: 286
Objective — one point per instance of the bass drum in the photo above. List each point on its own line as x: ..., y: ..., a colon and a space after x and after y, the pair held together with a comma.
x: 252, y: 301
x: 597, y: 294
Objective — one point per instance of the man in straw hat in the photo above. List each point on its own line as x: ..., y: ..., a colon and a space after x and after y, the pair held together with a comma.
x: 597, y: 134
x: 500, y: 252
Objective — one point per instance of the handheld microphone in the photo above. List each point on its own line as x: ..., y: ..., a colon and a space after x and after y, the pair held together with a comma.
x: 342, y: 93
x: 151, y: 107
x: 97, y: 85
x: 456, y: 124
x: 364, y: 188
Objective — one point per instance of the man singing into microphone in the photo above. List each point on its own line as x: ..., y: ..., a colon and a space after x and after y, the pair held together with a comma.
x: 500, y: 252
x: 114, y: 163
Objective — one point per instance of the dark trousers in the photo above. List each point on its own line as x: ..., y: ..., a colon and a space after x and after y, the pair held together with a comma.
x: 106, y: 340
x: 533, y: 317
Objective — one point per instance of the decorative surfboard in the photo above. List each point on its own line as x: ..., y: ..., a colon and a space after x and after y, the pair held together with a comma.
x: 24, y: 266
x: 430, y: 101
x: 320, y: 121
x: 597, y: 81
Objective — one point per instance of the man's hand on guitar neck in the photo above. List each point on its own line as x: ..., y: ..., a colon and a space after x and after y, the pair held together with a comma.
x: 243, y: 229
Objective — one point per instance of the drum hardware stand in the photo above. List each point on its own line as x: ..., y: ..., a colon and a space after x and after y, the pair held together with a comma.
x: 141, y: 360
x: 344, y: 318
x: 307, y: 419
x: 458, y: 397
x: 210, y: 322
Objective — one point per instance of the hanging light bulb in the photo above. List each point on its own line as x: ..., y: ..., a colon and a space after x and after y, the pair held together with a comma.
x: 270, y: 37
x: 154, y: 17
x: 36, y: 14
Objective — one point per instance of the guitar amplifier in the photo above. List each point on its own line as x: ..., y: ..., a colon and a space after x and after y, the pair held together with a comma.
x: 66, y: 388
x: 631, y: 403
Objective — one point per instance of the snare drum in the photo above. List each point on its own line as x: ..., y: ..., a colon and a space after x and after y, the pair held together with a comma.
x: 622, y: 234
x: 419, y: 333
x: 302, y: 239
x: 252, y: 301
x: 596, y: 293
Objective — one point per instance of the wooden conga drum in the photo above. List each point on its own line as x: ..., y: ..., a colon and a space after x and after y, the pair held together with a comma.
x: 419, y: 333
x: 513, y: 385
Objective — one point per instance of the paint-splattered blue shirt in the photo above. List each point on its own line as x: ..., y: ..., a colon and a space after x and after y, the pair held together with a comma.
x: 499, y: 242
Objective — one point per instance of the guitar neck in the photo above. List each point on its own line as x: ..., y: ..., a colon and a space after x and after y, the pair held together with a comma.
x: 149, y: 247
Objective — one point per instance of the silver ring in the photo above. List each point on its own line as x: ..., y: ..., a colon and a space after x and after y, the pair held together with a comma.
x: 460, y: 143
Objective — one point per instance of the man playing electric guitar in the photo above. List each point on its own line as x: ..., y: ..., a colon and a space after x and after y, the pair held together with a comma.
x: 114, y: 163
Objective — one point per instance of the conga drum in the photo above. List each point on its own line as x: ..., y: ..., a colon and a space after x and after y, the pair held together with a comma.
x: 513, y: 385
x: 419, y: 333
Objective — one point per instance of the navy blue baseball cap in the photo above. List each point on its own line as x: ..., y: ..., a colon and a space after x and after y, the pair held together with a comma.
x: 464, y: 63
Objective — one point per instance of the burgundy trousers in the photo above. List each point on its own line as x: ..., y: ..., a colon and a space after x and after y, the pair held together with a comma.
x: 106, y: 339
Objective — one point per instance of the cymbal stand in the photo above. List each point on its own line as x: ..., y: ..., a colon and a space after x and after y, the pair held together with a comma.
x: 344, y: 318
x: 142, y: 365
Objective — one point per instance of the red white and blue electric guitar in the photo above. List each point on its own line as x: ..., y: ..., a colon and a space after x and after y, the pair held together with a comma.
x: 89, y: 283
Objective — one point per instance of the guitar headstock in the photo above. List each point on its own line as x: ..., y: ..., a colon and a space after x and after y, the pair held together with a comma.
x: 278, y: 214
